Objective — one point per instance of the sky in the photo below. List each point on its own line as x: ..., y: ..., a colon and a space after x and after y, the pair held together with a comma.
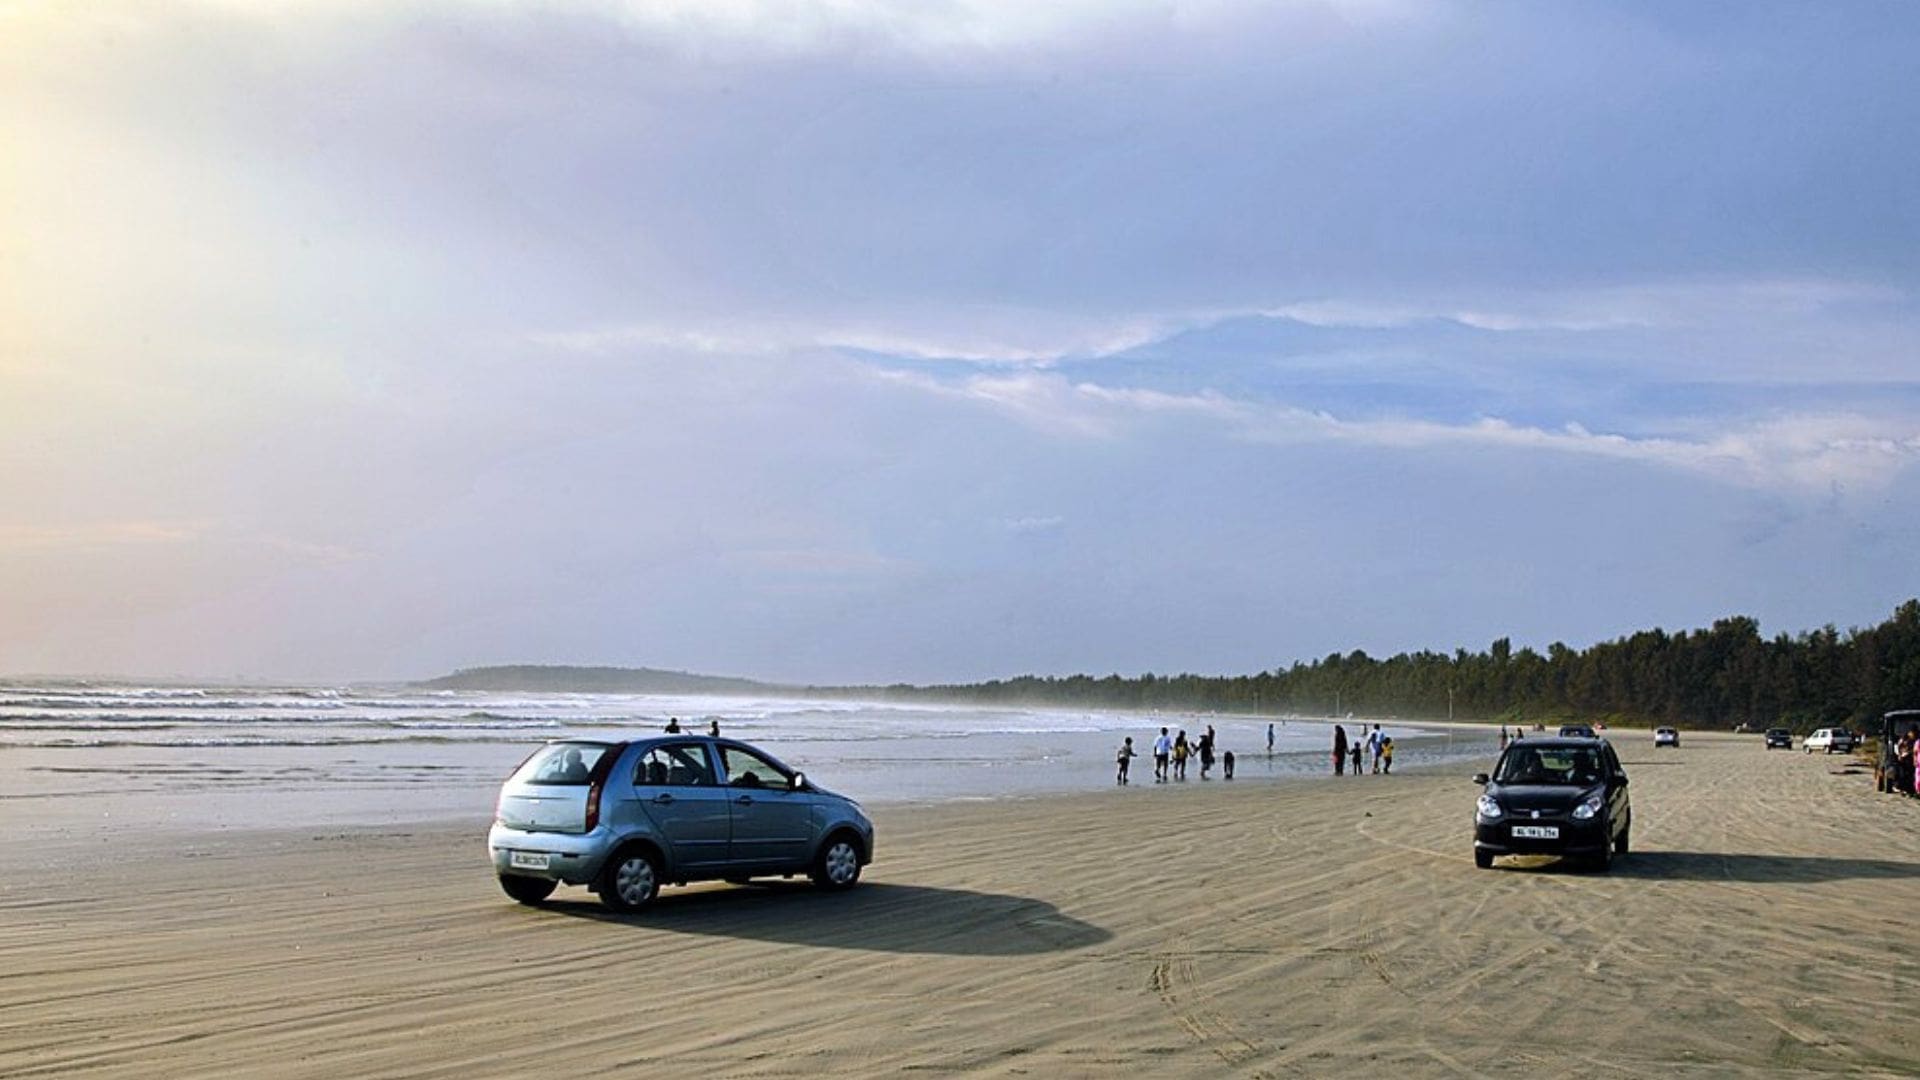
x: 851, y: 341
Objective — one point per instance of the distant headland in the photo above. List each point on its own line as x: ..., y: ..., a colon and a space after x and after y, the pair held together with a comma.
x: 565, y: 678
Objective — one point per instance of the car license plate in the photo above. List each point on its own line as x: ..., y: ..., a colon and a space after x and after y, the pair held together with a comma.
x: 529, y: 860
x: 1536, y: 832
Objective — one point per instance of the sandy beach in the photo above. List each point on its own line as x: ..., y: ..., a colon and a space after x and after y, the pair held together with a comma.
x: 1315, y: 928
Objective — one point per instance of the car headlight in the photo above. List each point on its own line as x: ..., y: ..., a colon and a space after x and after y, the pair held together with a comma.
x: 1489, y: 808
x: 1589, y: 808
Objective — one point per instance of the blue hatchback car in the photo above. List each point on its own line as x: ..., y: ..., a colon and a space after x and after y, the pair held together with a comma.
x: 624, y: 818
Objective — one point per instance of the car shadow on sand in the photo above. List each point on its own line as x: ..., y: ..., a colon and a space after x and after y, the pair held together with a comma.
x: 1731, y: 866
x: 874, y: 916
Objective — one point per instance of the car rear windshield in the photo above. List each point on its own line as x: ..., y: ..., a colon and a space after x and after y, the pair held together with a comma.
x: 1550, y: 765
x: 561, y: 764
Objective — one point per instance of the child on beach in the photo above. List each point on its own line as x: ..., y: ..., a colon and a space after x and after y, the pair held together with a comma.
x: 1226, y: 765
x: 1126, y: 756
x: 1358, y: 746
x: 1180, y: 752
x: 1386, y: 756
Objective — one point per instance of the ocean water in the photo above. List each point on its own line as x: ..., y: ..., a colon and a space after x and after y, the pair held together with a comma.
x: 113, y: 760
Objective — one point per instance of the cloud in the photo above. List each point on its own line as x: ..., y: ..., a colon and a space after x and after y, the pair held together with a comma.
x: 103, y: 534
x: 1805, y: 454
x: 1029, y: 525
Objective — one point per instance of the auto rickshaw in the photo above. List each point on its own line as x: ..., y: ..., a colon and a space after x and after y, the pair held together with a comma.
x: 1886, y: 776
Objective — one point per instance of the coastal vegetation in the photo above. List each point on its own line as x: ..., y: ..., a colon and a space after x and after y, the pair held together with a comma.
x: 1721, y: 677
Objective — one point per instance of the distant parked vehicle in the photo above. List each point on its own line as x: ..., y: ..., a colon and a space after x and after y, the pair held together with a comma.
x: 1893, y: 725
x: 1830, y: 740
x: 1666, y: 736
x: 1779, y: 738
x: 625, y: 818
x: 1577, y: 731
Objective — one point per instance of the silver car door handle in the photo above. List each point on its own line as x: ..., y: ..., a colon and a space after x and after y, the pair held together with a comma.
x: 745, y: 800
x: 663, y: 798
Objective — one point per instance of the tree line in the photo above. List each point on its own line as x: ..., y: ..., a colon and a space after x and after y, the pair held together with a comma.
x: 1724, y: 676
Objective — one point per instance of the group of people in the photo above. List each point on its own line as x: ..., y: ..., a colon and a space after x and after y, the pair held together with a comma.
x: 1170, y: 756
x: 674, y: 728
x: 1906, y: 749
x: 1373, y: 743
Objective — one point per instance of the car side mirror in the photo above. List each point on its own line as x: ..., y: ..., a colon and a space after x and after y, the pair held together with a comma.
x: 1480, y: 778
x: 1620, y: 779
x: 797, y: 782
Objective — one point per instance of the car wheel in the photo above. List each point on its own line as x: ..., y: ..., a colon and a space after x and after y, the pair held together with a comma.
x: 630, y: 881
x: 1483, y: 859
x: 527, y: 890
x: 838, y: 865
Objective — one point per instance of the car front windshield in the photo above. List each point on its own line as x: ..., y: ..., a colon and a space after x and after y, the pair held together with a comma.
x: 1550, y: 765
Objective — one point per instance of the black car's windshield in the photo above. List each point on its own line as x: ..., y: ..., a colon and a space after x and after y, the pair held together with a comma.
x: 1550, y: 765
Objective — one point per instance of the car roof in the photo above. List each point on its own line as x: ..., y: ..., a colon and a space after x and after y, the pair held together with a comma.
x: 1560, y: 741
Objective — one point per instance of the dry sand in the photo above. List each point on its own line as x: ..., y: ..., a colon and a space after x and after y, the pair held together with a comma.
x: 1764, y: 925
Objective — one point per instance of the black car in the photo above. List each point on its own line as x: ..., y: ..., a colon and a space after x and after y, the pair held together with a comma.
x: 1779, y: 737
x: 1563, y: 796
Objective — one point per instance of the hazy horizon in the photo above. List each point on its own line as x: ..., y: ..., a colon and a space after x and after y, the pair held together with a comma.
x: 871, y: 342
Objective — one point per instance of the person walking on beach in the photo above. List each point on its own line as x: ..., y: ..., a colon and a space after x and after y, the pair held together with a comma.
x: 1373, y: 746
x: 1180, y: 752
x: 1503, y: 736
x: 1386, y: 756
x: 1126, y: 757
x: 1339, y: 750
x: 1162, y: 753
x: 1269, y: 740
x: 1206, y: 753
x: 1226, y: 765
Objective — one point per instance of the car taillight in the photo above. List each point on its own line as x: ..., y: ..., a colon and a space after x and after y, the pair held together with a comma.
x: 593, y: 805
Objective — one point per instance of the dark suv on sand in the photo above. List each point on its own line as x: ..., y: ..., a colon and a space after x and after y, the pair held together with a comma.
x: 1565, y: 796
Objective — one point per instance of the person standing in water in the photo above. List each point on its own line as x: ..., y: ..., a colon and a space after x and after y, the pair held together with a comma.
x: 1357, y: 747
x: 1162, y: 754
x: 1125, y: 758
x: 673, y: 725
x: 1180, y: 752
x: 1206, y: 753
x: 1339, y: 750
x: 1269, y: 739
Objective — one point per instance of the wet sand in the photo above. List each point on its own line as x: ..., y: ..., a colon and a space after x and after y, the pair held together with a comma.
x: 1763, y: 925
